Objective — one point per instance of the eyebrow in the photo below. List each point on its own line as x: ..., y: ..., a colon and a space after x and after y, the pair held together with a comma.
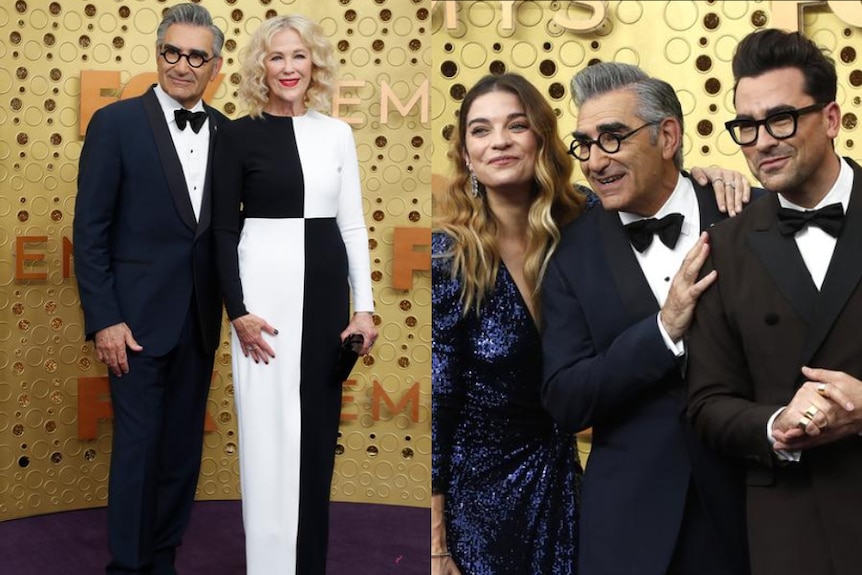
x: 612, y: 127
x: 302, y: 50
x: 509, y: 118
x: 770, y: 111
x: 192, y: 51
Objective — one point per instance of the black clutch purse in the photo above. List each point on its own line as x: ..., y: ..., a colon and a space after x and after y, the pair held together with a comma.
x: 348, y: 353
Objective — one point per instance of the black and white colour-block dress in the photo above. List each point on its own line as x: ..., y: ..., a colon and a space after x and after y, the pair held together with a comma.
x: 291, y: 245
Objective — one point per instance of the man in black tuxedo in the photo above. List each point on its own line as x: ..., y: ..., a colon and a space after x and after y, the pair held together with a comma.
x: 618, y: 297
x: 776, y: 362
x: 146, y: 275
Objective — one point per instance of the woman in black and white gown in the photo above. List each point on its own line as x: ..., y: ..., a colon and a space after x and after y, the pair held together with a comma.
x: 292, y: 245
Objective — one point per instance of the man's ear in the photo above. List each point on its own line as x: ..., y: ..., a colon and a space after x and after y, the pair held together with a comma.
x: 216, y: 68
x: 670, y: 137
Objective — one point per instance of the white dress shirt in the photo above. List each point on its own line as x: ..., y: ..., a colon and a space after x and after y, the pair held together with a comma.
x: 192, y: 149
x: 661, y: 263
x: 816, y: 247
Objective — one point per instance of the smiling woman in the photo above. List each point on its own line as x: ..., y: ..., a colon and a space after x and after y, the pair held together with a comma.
x: 292, y: 244
x: 504, y: 477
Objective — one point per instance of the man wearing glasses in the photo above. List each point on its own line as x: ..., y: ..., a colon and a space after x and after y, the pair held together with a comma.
x: 776, y: 359
x: 148, y: 287
x: 618, y: 297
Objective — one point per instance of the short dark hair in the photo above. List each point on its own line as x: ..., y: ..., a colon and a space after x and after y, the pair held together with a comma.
x: 771, y: 49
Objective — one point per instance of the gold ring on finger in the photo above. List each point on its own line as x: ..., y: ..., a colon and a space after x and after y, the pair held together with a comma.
x: 803, y: 423
x: 811, y: 411
x: 821, y: 389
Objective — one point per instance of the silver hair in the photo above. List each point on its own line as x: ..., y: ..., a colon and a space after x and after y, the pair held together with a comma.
x: 657, y: 99
x: 194, y: 15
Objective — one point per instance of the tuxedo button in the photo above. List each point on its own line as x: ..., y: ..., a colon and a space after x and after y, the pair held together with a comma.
x: 771, y: 318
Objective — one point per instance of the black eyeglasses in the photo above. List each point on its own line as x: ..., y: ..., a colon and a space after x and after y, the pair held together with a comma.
x: 195, y: 59
x: 780, y: 125
x: 608, y: 142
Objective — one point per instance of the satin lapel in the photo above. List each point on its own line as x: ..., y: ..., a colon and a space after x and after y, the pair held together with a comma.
x: 844, y: 273
x: 206, y: 200
x: 782, y: 259
x: 709, y: 214
x: 170, y: 160
x: 634, y: 290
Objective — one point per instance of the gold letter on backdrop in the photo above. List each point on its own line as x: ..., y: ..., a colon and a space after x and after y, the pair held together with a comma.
x: 98, y: 89
x: 596, y: 19
x: 406, y: 259
x: 21, y: 257
x: 338, y: 100
x: 451, y: 15
x: 410, y: 396
x: 386, y: 94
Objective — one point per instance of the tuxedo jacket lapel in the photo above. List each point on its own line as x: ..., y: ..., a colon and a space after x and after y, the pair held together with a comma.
x: 638, y: 299
x: 206, y: 200
x: 782, y: 259
x: 170, y: 160
x: 709, y: 214
x: 844, y: 273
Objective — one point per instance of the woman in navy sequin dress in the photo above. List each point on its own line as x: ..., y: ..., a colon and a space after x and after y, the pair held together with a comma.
x: 504, y: 478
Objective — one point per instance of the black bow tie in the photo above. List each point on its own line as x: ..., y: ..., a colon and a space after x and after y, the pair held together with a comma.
x: 194, y: 119
x: 668, y: 229
x: 829, y: 218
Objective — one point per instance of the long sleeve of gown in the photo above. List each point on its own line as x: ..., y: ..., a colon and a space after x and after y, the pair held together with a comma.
x: 447, y: 348
x: 351, y: 223
x: 227, y: 218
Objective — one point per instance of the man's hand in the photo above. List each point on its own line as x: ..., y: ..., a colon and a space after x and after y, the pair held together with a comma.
x: 685, y: 289
x: 111, y: 344
x: 824, y: 409
x: 731, y: 188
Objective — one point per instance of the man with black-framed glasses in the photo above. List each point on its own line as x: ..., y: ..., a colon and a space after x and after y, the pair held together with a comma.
x: 145, y: 266
x: 775, y: 355
x: 617, y: 299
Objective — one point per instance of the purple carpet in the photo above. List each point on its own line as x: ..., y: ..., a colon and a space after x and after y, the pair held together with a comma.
x: 364, y: 539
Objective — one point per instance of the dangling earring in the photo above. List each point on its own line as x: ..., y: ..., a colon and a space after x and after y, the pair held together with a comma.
x: 474, y: 182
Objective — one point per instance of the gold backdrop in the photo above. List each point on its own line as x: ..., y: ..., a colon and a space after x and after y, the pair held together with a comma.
x: 689, y: 44
x: 61, y: 59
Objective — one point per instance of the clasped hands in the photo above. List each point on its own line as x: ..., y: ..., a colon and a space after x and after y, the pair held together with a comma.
x: 827, y: 407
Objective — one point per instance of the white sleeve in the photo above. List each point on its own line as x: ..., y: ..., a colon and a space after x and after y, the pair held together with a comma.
x: 351, y: 223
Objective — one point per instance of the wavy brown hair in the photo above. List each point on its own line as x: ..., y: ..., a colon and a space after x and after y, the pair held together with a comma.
x: 470, y: 221
x: 253, y: 91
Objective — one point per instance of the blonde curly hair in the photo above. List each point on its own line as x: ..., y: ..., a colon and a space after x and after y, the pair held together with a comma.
x: 469, y: 220
x: 253, y: 90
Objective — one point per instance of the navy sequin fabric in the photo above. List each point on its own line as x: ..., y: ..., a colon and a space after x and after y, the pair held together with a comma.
x: 508, y: 475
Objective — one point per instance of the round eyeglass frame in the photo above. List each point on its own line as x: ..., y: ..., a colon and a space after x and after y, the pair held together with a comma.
x: 608, y: 142
x: 179, y: 55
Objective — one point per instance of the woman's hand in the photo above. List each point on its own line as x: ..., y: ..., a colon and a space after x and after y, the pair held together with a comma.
x: 363, y: 323
x: 249, y: 329
x: 441, y: 562
x: 731, y: 188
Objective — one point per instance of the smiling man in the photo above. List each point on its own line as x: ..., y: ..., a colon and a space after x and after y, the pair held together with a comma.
x: 618, y: 298
x: 776, y: 358
x: 147, y: 281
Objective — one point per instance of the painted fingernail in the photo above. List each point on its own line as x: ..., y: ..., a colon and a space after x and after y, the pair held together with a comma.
x: 275, y: 331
